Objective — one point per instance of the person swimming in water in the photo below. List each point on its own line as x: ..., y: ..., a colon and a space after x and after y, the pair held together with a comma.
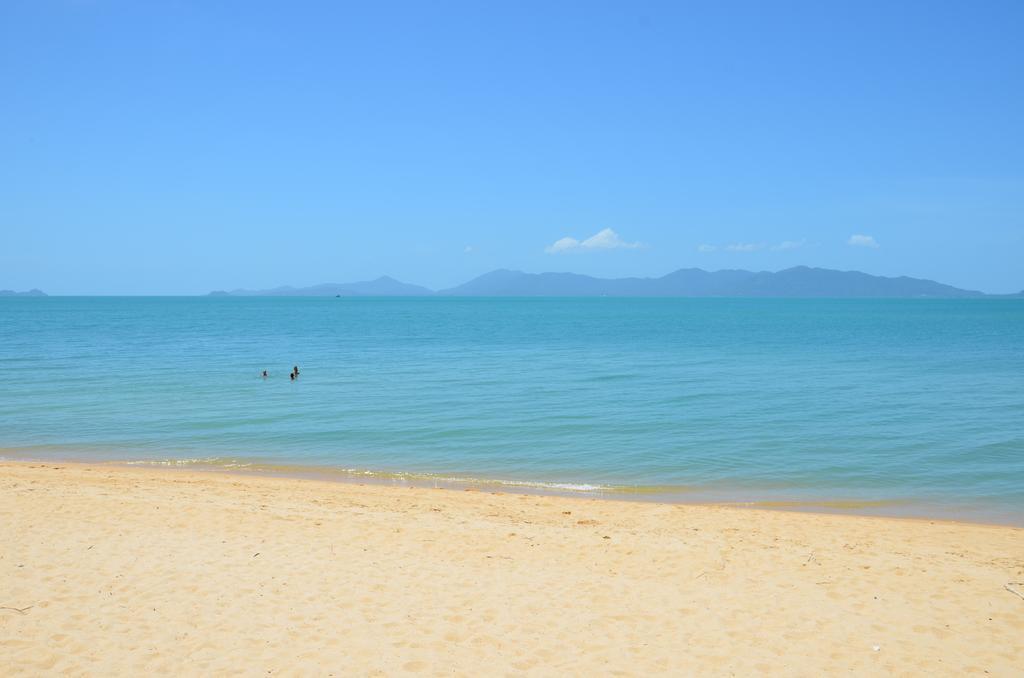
x: 295, y: 370
x: 265, y: 374
x: 292, y: 375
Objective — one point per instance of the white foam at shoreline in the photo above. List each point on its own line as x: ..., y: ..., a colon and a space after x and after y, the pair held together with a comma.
x: 222, y: 463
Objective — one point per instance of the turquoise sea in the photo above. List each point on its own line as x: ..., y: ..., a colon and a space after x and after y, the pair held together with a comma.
x: 905, y: 407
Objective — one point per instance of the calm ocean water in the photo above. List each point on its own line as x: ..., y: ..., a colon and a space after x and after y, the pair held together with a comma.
x: 894, y: 406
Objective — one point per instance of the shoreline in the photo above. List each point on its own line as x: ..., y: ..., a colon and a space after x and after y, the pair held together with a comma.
x: 693, y: 495
x: 120, y: 570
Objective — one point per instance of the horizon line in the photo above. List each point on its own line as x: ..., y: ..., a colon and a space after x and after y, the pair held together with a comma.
x: 36, y: 291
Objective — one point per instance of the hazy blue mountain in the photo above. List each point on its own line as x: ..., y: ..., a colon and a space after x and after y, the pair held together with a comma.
x: 381, y: 287
x: 516, y: 283
x: 30, y: 293
x: 801, y: 281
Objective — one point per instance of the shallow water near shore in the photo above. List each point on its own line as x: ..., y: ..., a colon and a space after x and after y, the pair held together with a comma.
x: 906, y: 407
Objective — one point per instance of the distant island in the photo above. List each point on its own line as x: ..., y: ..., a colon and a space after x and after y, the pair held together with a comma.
x: 30, y: 293
x: 381, y: 287
x: 800, y: 281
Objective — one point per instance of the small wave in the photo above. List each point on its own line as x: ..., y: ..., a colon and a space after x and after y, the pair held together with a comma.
x: 470, y: 480
x: 837, y: 504
x: 211, y: 462
x: 225, y: 463
x: 574, y: 487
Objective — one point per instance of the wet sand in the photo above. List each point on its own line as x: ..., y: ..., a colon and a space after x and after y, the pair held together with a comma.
x: 129, y: 571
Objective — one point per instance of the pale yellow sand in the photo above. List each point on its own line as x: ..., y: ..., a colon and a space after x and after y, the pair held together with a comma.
x: 109, y: 570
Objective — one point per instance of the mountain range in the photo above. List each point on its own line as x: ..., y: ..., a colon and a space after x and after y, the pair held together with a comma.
x: 30, y: 293
x: 384, y: 286
x: 800, y: 281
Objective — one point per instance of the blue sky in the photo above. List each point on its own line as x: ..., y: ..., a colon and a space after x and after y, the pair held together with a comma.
x: 179, y: 147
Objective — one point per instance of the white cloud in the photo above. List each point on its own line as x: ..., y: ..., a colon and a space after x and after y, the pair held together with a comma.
x: 753, y: 246
x: 563, y: 245
x: 858, y: 240
x: 468, y: 249
x: 745, y: 246
x: 606, y: 239
x: 789, y: 245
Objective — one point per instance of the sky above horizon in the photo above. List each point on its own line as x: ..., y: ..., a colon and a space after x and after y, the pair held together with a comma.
x: 182, y: 147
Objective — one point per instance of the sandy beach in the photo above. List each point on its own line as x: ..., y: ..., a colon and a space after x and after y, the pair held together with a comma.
x: 109, y: 570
